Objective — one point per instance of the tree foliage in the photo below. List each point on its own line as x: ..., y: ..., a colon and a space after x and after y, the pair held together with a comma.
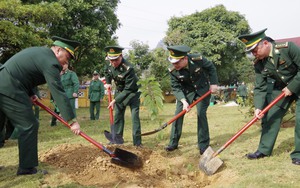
x: 93, y: 23
x: 32, y: 22
x: 151, y: 96
x: 25, y: 25
x: 213, y: 33
x: 159, y: 68
x: 140, y: 56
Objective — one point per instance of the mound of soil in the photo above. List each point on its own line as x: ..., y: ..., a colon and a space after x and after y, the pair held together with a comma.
x: 89, y: 166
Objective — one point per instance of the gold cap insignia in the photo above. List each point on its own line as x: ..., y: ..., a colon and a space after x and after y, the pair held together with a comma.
x: 244, y: 40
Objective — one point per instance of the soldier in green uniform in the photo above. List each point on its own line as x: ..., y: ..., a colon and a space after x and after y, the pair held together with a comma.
x: 191, y: 76
x: 19, y: 75
x: 242, y: 92
x: 6, y: 129
x: 277, y: 70
x: 96, y: 94
x: 70, y: 84
x: 126, y: 94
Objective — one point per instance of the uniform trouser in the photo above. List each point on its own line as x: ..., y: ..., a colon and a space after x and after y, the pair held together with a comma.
x: 271, y: 126
x: 2, y: 129
x: 72, y: 101
x: 120, y: 109
x: 36, y: 111
x: 22, y: 118
x: 202, y: 125
x: 296, y: 152
x: 93, y: 105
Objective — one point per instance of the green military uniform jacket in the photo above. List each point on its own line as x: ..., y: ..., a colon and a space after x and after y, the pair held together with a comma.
x: 242, y: 90
x: 30, y: 68
x: 96, y: 90
x: 194, y: 79
x: 283, y: 72
x: 125, y: 80
x: 70, y: 83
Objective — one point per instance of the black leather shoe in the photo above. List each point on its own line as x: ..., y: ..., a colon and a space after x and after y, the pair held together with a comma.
x: 170, y: 148
x: 296, y: 161
x: 256, y: 155
x: 202, y: 150
x: 31, y: 171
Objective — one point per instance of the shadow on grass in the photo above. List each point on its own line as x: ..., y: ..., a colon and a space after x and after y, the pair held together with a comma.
x: 287, y: 146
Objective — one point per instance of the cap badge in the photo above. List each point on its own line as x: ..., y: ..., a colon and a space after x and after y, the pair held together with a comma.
x: 111, y: 50
x: 244, y: 40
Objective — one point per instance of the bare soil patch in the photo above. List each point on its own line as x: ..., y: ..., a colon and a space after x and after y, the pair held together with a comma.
x: 89, y: 166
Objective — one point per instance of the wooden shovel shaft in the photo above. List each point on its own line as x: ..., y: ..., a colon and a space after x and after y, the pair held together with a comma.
x: 267, y: 108
x: 98, y: 145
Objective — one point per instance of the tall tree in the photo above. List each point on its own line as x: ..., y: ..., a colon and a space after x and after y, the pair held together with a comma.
x: 140, y: 56
x: 22, y: 26
x: 213, y: 33
x: 93, y: 23
x: 159, y: 68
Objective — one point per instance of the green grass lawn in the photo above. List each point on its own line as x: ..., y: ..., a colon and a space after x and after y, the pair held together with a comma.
x: 224, y: 122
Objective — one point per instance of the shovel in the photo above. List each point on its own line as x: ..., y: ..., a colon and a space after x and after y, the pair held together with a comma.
x: 209, y: 162
x: 119, y: 156
x: 111, y: 136
x: 177, y: 116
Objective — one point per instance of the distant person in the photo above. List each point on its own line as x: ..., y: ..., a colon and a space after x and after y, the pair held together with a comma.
x: 279, y: 62
x: 19, y: 76
x: 70, y: 84
x: 192, y: 75
x: 243, y: 93
x: 96, y: 94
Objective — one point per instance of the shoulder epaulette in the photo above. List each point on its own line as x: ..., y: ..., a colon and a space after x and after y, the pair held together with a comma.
x: 199, y: 58
x: 282, y: 45
x: 171, y: 69
x: 126, y: 67
x: 195, y: 57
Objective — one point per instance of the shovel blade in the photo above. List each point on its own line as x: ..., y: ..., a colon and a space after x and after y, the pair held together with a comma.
x: 209, y: 164
x: 126, y: 159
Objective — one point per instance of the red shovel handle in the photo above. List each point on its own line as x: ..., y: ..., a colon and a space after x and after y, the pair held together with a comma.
x: 177, y: 116
x: 191, y: 106
x: 81, y: 133
x: 267, y: 108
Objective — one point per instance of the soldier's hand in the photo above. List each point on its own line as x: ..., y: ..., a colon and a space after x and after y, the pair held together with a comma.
x: 287, y: 92
x: 257, y: 112
x: 34, y: 98
x: 111, y: 104
x: 107, y: 86
x: 186, y: 105
x: 214, y: 88
x: 75, y: 95
x: 75, y: 127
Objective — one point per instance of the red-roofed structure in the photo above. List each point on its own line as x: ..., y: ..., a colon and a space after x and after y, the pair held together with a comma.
x: 295, y: 40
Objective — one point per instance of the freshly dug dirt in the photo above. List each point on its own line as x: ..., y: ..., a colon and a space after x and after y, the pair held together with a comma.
x: 89, y: 166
